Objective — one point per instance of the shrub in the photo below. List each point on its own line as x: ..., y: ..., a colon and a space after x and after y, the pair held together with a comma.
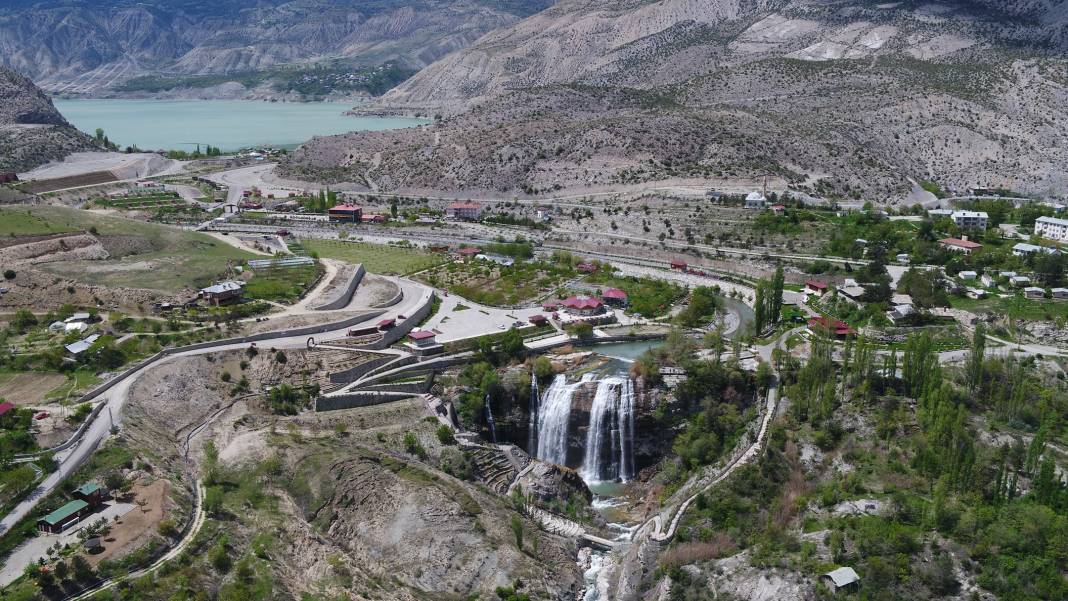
x: 445, y: 435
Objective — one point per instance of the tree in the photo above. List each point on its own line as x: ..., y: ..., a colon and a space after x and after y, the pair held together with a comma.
x: 517, y: 530
x: 213, y: 498
x: 62, y: 571
x: 975, y: 358
x: 83, y: 572
x: 543, y: 367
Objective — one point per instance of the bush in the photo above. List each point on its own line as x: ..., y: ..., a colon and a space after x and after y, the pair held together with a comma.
x: 412, y: 446
x: 445, y: 435
x: 9, y: 274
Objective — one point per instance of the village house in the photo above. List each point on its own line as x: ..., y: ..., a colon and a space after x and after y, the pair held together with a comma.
x: 679, y: 265
x: 223, y: 293
x: 464, y: 211
x: 962, y: 245
x: 755, y: 200
x: 64, y: 517
x: 468, y: 252
x: 842, y: 579
x: 1021, y: 249
x: 586, y: 268
x: 1020, y: 281
x: 815, y: 287
x: 1034, y: 292
x: 538, y: 319
x: 369, y: 218
x: 6, y: 177
x: 839, y: 329
x: 615, y: 296
x: 423, y: 338
x: 79, y: 347
x: 987, y: 280
x: 899, y: 313
x: 967, y: 275
x: 852, y: 292
x: 583, y: 305
x: 345, y: 213
x: 975, y: 293
x: 1059, y: 293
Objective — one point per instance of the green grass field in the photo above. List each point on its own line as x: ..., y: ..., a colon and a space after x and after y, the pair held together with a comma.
x: 1015, y: 307
x: 376, y: 258
x: 142, y: 255
x: 281, y: 285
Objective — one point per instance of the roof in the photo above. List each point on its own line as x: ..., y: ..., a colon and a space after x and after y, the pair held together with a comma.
x: 1035, y: 289
x: 82, y: 345
x: 549, y: 306
x: 222, y: 287
x: 346, y: 207
x: 5, y: 407
x: 1024, y: 247
x: 88, y: 488
x: 969, y: 214
x: 960, y: 243
x: 386, y: 322
x: 678, y: 263
x: 614, y: 293
x: 287, y: 262
x: 78, y: 317
x: 60, y: 515
x: 816, y: 285
x: 1052, y: 221
x: 755, y: 196
x: 843, y: 576
x: 421, y: 335
x: 465, y: 205
x: 853, y: 291
x: 538, y: 318
x: 1020, y: 278
x: 469, y: 250
x: 582, y: 302
x: 840, y: 328
x: 778, y: 207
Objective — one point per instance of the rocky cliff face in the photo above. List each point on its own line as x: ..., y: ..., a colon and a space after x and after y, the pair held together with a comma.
x: 32, y: 131
x: 87, y: 46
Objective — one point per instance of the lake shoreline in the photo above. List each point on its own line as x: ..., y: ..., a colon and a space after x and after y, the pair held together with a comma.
x: 230, y: 125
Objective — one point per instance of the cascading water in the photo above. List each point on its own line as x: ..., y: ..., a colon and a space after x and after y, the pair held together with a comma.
x: 489, y: 420
x: 611, y: 426
x: 532, y: 430
x: 553, y: 417
x: 609, y: 451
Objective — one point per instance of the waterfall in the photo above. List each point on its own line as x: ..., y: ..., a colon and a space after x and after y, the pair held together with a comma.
x: 626, y: 431
x: 610, y: 436
x: 609, y: 451
x: 489, y: 420
x: 553, y: 417
x: 532, y: 430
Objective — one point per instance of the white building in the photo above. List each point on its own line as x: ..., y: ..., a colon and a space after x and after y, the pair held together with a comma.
x: 1034, y: 292
x: 755, y: 200
x: 967, y: 275
x: 966, y: 220
x: 1019, y: 281
x: 1052, y: 228
x: 1022, y: 248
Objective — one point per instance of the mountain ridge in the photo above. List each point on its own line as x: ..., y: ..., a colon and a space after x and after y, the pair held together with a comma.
x: 32, y: 131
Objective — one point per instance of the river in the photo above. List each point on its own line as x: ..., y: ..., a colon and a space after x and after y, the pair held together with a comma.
x: 227, y: 124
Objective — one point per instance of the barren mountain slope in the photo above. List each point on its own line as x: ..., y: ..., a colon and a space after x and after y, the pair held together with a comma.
x: 842, y: 129
x: 646, y: 43
x: 32, y: 131
x: 91, y: 45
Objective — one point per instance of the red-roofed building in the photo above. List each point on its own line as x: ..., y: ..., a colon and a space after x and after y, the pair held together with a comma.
x: 586, y: 267
x: 583, y: 305
x: 346, y: 213
x: 815, y: 287
x: 960, y: 245
x: 538, y: 320
x: 7, y: 177
x: 469, y: 211
x: 678, y: 264
x: 614, y: 296
x: 5, y: 408
x: 778, y: 209
x: 422, y: 338
x: 840, y: 329
x: 549, y: 307
x: 373, y: 218
x: 469, y: 252
x: 387, y: 324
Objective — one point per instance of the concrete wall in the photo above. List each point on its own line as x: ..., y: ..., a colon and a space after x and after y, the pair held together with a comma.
x: 357, y: 372
x: 343, y: 297
x: 402, y: 328
x: 357, y: 399
x: 411, y: 388
x: 396, y: 299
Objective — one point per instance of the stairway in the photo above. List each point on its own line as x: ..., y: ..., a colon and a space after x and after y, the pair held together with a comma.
x: 494, y: 468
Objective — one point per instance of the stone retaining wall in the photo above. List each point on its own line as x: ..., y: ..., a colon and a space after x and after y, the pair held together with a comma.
x: 343, y: 297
